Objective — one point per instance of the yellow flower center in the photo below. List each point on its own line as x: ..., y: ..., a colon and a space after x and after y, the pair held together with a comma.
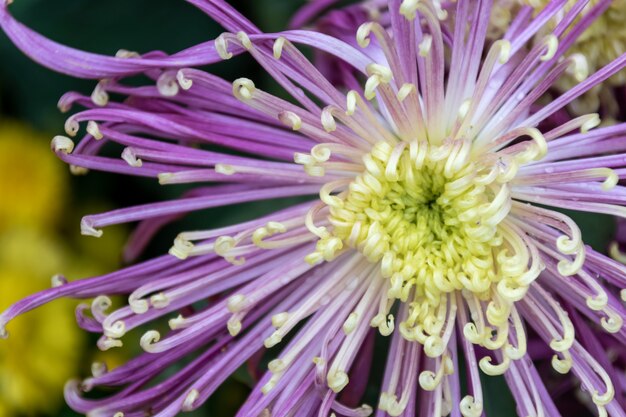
x: 434, y: 218
x: 416, y: 214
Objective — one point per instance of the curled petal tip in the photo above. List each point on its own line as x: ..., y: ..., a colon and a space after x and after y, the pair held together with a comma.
x: 243, y: 88
x: 234, y: 327
x: 94, y: 130
x: 125, y: 53
x: 62, y: 144
x: 337, y: 380
x: 363, y: 34
x: 97, y: 370
x: 106, y: 343
x: 99, y: 96
x: 184, y: 82
x: 87, y: 229
x: 190, y: 399
x: 551, y: 44
x: 138, y: 306
x: 470, y: 407
x: 181, y: 248
x: 71, y: 127
x: 78, y: 170
x: 279, y: 44
x: 115, y: 330
x: 167, y: 84
x: 128, y: 155
x: 87, y: 385
x: 149, y: 339
x: 221, y: 45
x: 58, y: 280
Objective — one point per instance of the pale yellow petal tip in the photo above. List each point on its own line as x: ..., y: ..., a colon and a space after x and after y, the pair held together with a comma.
x: 190, y: 399
x: 86, y: 229
x: 71, y: 127
x: 408, y: 9
x: 107, y: 343
x: 363, y: 34
x: 99, y: 96
x: 94, y: 130
x: 337, y: 380
x: 279, y: 320
x: 290, y: 119
x: 277, y: 365
x: 389, y: 403
x: 62, y: 144
x: 181, y: 248
x: 616, y: 253
x: 244, y: 39
x: 225, y: 169
x: 78, y: 171
x: 273, y: 340
x: 125, y: 53
x: 611, y: 180
x: 138, y: 305
x: 167, y: 84
x: 234, y: 327
x: 128, y: 155
x: 243, y: 89
x: 184, y: 82
x: 277, y: 49
x: 564, y: 365
x: 98, y: 369
x: 159, y: 301
x: 491, y: 369
x: 177, y: 323
x: 149, y: 339
x: 165, y: 178
x: 551, y: 43
x: 221, y: 46
x: 236, y: 303
x: 58, y: 280
x: 470, y: 407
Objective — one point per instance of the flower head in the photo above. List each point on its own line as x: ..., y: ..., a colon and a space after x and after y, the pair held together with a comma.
x: 437, y: 176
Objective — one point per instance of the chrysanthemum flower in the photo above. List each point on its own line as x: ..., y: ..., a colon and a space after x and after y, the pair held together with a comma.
x: 433, y: 217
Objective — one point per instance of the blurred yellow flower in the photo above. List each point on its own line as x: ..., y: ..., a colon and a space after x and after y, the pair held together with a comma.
x: 45, y: 346
x: 33, y: 184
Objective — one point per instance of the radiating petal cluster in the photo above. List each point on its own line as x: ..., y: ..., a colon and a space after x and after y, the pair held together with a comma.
x: 598, y: 48
x: 424, y: 200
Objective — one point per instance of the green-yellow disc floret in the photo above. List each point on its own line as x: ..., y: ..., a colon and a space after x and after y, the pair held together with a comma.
x: 434, y: 218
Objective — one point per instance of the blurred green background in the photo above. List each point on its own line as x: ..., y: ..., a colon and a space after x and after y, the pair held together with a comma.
x: 41, y: 203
